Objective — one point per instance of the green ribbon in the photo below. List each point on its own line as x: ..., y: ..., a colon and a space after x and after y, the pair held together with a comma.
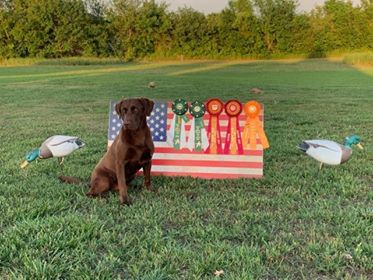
x: 179, y: 107
x: 197, y: 110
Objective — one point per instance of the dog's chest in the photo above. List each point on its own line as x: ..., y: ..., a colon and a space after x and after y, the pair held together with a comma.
x: 138, y: 154
x: 138, y: 149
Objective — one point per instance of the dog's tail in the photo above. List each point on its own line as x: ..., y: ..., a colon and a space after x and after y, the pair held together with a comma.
x: 71, y: 180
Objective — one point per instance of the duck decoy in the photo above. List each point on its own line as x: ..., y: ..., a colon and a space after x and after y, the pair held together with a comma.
x: 330, y: 152
x: 57, y: 146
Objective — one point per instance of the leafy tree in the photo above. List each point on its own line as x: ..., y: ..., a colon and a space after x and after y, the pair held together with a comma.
x: 5, y: 26
x: 228, y: 36
x: 338, y: 26
x: 247, y: 25
x: 345, y: 26
x: 276, y: 19
x: 189, y: 30
x: 234, y: 31
x: 140, y: 26
x: 49, y: 28
x: 367, y: 9
x: 98, y: 34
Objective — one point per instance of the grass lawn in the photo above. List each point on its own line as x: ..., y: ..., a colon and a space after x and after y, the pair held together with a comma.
x: 295, y: 223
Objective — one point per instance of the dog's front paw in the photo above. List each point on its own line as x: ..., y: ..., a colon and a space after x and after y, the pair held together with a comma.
x: 125, y: 200
x: 90, y: 193
x: 149, y: 187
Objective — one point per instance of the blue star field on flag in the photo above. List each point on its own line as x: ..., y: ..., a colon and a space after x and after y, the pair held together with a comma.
x: 157, y: 122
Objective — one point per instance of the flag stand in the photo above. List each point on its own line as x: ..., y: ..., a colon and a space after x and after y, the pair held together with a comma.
x: 169, y: 160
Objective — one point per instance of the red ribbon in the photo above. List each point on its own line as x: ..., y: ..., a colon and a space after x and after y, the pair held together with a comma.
x: 214, y: 107
x: 233, y: 142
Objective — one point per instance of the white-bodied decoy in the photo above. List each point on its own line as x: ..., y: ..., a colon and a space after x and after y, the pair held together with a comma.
x: 330, y: 152
x: 57, y: 146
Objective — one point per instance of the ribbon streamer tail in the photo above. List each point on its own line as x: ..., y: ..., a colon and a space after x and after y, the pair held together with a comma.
x: 252, y: 135
x: 262, y: 136
x: 171, y: 132
x: 183, y: 143
x: 205, y: 139
x: 245, y: 137
x: 190, y: 142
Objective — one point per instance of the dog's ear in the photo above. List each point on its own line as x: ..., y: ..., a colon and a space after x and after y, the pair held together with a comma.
x: 148, y: 105
x: 118, y: 107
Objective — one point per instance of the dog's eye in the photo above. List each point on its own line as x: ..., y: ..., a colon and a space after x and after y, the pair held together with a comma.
x: 134, y: 109
x: 125, y: 110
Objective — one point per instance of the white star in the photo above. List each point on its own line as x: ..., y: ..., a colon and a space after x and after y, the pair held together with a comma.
x: 156, y: 134
x: 157, y: 110
x: 118, y: 125
x: 161, y: 129
x: 113, y: 128
x: 151, y: 121
x: 113, y: 136
x: 114, y: 120
x: 161, y: 137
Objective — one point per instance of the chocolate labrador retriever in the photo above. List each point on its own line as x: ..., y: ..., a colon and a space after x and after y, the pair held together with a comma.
x: 132, y: 149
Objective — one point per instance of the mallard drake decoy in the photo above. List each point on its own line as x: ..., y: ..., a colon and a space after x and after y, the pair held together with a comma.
x: 330, y: 152
x: 55, y: 146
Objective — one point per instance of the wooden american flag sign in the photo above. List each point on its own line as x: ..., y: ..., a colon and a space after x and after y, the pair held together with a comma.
x: 169, y: 161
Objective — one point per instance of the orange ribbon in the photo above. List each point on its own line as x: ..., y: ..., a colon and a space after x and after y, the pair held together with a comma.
x: 253, y: 126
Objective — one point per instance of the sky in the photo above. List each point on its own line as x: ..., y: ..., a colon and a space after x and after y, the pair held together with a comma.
x: 210, y: 6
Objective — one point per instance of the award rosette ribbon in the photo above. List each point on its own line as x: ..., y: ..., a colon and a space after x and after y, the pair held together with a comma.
x: 176, y: 135
x: 198, y: 140
x: 233, y: 142
x: 253, y: 126
x: 214, y: 107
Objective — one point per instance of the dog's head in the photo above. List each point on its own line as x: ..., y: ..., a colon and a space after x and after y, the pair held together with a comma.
x: 133, y: 112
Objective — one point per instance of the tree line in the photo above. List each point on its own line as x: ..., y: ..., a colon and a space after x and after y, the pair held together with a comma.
x: 138, y: 28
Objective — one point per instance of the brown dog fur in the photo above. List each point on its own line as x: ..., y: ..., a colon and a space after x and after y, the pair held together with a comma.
x: 131, y: 150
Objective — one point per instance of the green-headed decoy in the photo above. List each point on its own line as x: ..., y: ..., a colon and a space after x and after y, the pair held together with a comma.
x: 330, y: 152
x: 55, y: 146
